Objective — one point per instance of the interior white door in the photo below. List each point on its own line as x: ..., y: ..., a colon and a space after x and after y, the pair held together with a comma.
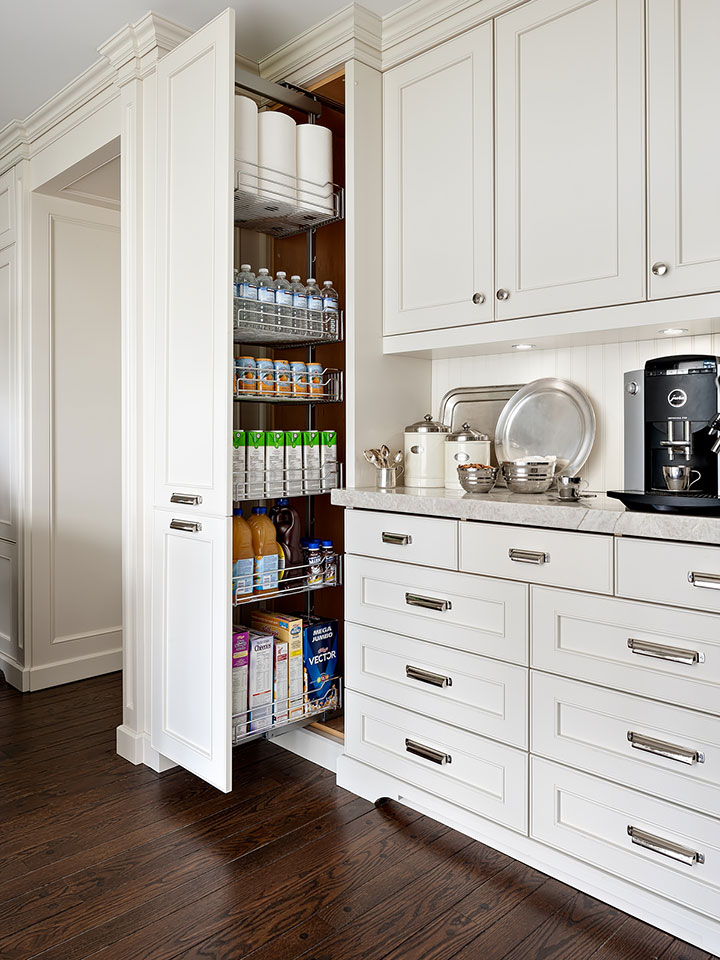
x: 195, y: 84
x: 191, y: 703
x: 8, y: 413
x: 683, y: 146
x: 438, y: 187
x: 570, y: 151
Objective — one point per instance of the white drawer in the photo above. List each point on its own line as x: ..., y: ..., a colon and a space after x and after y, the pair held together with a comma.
x: 481, y: 695
x: 622, y: 645
x: 429, y: 541
x: 684, y: 575
x: 582, y: 561
x: 488, y: 617
x: 589, y: 819
x: 480, y: 775
x: 663, y: 750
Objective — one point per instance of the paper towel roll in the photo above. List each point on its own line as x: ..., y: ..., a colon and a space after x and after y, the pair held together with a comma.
x: 315, y: 167
x: 276, y: 155
x: 246, y: 141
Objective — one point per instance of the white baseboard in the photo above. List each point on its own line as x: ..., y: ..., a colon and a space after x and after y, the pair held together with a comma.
x: 136, y: 748
x: 76, y: 668
x: 312, y: 746
x: 15, y: 674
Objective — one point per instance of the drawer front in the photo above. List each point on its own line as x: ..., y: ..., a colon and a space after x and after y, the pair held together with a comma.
x: 480, y: 695
x: 680, y: 574
x: 589, y: 819
x: 663, y: 750
x: 429, y: 541
x: 565, y: 559
x: 624, y: 645
x: 482, y: 616
x: 488, y: 778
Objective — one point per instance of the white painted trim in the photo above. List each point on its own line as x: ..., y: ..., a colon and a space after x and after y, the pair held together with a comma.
x: 15, y: 674
x: 75, y: 668
x: 136, y: 748
x: 312, y: 746
x: 88, y: 634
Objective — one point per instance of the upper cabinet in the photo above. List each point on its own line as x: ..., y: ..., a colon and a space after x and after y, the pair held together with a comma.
x: 570, y: 227
x: 683, y: 146
x: 194, y: 223
x: 438, y: 187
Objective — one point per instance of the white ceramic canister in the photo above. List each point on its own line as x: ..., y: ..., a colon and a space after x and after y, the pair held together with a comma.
x: 425, y: 452
x: 464, y: 446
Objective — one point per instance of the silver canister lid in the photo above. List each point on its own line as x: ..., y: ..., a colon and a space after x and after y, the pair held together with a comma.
x: 465, y: 434
x: 427, y: 425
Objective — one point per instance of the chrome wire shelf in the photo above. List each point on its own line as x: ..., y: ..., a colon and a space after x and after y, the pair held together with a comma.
x: 291, y: 482
x: 276, y: 326
x: 290, y: 581
x: 274, y: 718
x: 325, y: 387
x: 270, y: 201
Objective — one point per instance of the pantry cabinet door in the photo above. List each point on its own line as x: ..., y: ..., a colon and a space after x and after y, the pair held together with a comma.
x: 191, y: 700
x: 438, y: 199
x: 195, y: 90
x: 9, y: 637
x: 8, y: 382
x: 570, y: 151
x: 683, y: 146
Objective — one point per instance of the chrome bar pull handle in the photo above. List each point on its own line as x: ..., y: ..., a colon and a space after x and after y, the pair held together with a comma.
x: 187, y: 499
x: 425, y: 676
x: 661, y: 748
x: 187, y: 526
x: 428, y: 603
x: 528, y: 556
x: 427, y: 753
x: 399, y: 539
x: 709, y: 581
x: 664, y: 847
x: 659, y: 651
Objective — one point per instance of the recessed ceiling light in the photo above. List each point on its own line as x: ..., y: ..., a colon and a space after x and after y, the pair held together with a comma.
x: 523, y: 346
x: 673, y: 331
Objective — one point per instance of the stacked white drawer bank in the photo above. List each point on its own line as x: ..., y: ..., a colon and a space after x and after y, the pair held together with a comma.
x: 555, y: 694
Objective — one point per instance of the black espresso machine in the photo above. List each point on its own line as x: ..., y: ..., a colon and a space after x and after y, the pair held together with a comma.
x: 672, y: 436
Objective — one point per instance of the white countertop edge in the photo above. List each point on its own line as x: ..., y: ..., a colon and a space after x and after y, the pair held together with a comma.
x: 597, y: 515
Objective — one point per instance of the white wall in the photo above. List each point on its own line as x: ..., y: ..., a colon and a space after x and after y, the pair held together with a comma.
x: 76, y: 627
x: 598, y: 370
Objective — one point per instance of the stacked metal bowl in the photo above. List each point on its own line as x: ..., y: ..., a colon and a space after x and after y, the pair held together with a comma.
x: 477, y: 477
x: 528, y: 476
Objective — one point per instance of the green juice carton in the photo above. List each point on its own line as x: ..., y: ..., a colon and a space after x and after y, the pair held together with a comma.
x: 275, y: 461
x: 311, y: 461
x: 255, y: 463
x: 293, y: 462
x: 328, y: 459
x: 239, y: 479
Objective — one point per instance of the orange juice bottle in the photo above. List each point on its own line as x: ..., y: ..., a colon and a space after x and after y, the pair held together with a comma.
x: 243, y: 556
x: 265, y: 551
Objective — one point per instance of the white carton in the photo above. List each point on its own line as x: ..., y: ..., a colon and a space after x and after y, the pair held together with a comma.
x: 328, y: 459
x: 255, y: 462
x: 260, y: 680
x: 275, y: 462
x: 311, y: 461
x: 239, y: 457
x: 293, y: 462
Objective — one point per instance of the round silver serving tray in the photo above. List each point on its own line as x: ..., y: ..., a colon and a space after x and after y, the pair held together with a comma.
x: 544, y: 418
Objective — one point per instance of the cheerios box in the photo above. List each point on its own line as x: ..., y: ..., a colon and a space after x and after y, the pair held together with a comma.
x: 287, y: 629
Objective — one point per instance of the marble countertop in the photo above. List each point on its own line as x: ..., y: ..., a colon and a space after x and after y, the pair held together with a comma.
x: 599, y: 514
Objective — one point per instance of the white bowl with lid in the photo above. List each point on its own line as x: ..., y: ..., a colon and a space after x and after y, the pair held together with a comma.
x: 425, y: 453
x: 464, y: 446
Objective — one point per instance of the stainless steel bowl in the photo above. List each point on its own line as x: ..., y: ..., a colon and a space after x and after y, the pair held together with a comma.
x: 528, y: 478
x: 528, y: 485
x: 477, y: 478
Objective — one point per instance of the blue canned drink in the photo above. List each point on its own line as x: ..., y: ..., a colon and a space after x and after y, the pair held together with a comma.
x: 245, y: 375
x: 265, y: 375
x: 283, y: 382
x: 299, y: 378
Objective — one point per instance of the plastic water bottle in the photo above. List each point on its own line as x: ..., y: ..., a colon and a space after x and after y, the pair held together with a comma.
x: 330, y: 308
x: 246, y: 290
x: 314, y: 303
x: 299, y: 303
x: 283, y: 301
x: 266, y: 296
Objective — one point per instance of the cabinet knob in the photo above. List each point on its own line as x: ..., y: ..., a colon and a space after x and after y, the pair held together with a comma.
x: 503, y: 294
x: 659, y: 269
x: 478, y: 298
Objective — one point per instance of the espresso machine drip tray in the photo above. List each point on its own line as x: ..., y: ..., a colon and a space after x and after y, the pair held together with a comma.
x: 668, y: 501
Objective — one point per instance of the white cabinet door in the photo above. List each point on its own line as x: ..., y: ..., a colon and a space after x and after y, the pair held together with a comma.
x: 9, y: 640
x: 438, y: 187
x: 683, y: 146
x: 195, y: 84
x: 8, y: 412
x: 191, y: 644
x: 570, y: 152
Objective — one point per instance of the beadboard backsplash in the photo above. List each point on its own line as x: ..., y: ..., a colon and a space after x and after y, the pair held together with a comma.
x: 597, y: 369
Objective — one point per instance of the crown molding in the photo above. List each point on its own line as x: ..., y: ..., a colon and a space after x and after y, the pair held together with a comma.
x: 353, y: 33
x: 134, y: 50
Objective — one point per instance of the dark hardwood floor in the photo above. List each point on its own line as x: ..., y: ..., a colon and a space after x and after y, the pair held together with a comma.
x: 102, y: 859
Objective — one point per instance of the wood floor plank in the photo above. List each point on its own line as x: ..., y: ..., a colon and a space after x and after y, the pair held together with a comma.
x: 634, y: 940
x: 678, y: 950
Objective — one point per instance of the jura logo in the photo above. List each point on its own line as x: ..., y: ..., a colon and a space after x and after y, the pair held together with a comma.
x: 677, y: 398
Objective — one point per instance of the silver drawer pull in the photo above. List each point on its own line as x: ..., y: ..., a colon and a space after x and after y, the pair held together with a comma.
x: 427, y: 753
x: 400, y: 539
x: 709, y: 581
x: 187, y: 526
x: 528, y: 556
x: 429, y: 603
x: 187, y: 499
x: 643, y: 648
x: 665, y: 847
x: 663, y: 749
x: 424, y: 676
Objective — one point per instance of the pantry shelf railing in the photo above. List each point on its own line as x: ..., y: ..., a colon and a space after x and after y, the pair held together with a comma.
x: 274, y: 718
x: 287, y: 581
